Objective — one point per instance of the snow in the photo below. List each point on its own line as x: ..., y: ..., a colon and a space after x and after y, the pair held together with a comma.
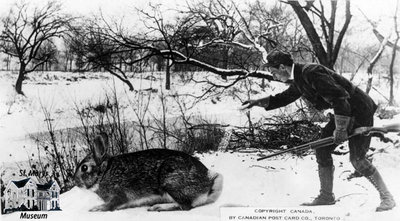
x: 276, y: 183
x: 20, y: 116
x: 280, y: 182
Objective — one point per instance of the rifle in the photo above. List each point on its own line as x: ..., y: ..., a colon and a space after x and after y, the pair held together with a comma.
x: 365, y: 131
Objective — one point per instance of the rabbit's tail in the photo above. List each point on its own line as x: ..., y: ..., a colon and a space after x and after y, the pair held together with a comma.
x: 216, y: 188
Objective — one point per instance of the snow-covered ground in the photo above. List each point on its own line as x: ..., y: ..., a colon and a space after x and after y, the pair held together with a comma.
x: 20, y: 116
x: 281, y: 182
x: 276, y: 183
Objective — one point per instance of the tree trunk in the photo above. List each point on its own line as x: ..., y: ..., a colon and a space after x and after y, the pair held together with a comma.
x: 20, y: 79
x: 391, y: 77
x: 263, y: 84
x: 328, y: 56
x: 168, y: 76
x: 372, y: 64
x: 391, y: 72
x: 369, y: 82
x: 8, y: 61
x: 66, y: 63
x: 225, y: 60
x: 312, y: 34
x: 70, y: 65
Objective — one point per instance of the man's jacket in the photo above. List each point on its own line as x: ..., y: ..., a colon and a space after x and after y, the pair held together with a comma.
x: 324, y: 89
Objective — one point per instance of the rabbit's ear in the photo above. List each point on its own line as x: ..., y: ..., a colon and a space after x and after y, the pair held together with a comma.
x: 100, y: 147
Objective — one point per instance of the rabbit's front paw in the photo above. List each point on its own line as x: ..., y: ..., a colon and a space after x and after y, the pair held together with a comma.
x: 102, y: 207
x: 164, y: 207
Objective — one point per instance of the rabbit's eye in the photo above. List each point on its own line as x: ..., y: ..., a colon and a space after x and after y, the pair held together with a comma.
x: 84, y: 168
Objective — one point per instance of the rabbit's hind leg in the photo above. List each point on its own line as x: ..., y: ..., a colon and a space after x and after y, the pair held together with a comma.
x: 165, y: 207
x: 216, y: 188
x: 214, y: 192
x: 145, y: 201
x: 167, y: 203
x: 180, y: 181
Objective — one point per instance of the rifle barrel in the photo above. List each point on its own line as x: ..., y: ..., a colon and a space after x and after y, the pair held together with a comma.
x: 312, y: 145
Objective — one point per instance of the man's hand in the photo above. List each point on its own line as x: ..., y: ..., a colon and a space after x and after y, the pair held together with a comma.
x: 249, y: 103
x: 340, y: 134
x: 263, y: 102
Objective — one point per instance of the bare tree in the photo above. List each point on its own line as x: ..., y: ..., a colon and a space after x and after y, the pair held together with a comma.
x: 384, y: 41
x: 7, y: 60
x: 373, y: 62
x: 327, y: 51
x: 49, y: 50
x: 26, y: 31
x: 97, y: 48
x: 68, y: 56
x: 218, y: 36
x: 380, y: 37
x: 392, y: 62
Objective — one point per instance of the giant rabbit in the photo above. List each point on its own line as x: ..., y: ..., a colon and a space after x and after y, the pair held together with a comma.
x: 160, y: 178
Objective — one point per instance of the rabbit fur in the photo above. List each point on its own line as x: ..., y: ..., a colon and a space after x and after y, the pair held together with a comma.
x: 160, y: 178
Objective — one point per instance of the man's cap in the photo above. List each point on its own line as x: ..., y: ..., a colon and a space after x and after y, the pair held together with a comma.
x: 275, y: 58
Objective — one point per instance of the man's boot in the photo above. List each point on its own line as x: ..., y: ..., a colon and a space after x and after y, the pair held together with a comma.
x: 325, y: 197
x: 387, y: 201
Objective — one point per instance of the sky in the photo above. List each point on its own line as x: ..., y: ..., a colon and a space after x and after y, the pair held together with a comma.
x: 376, y: 10
x: 373, y: 8
x: 115, y: 7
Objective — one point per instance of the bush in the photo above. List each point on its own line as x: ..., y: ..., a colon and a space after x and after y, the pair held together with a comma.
x: 64, y: 148
x: 105, y: 117
x: 57, y: 155
x: 201, y: 138
x: 276, y: 135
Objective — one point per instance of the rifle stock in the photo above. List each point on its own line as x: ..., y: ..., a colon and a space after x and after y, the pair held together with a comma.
x: 385, y: 129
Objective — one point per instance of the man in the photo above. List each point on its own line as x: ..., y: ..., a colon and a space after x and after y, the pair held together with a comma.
x: 353, y: 108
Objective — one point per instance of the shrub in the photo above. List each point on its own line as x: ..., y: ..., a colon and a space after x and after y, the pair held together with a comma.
x: 278, y: 133
x: 60, y: 150
x: 200, y: 138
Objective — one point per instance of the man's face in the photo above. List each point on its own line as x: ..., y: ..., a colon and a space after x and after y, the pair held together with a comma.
x: 279, y: 73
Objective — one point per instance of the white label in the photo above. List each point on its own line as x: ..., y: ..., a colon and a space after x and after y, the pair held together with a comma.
x: 274, y: 214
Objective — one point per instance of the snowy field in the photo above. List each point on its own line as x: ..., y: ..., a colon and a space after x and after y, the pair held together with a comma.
x: 281, y: 182
x: 276, y: 183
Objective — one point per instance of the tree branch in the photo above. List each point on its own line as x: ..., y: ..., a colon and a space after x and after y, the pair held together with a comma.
x: 310, y: 31
x: 342, y: 31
